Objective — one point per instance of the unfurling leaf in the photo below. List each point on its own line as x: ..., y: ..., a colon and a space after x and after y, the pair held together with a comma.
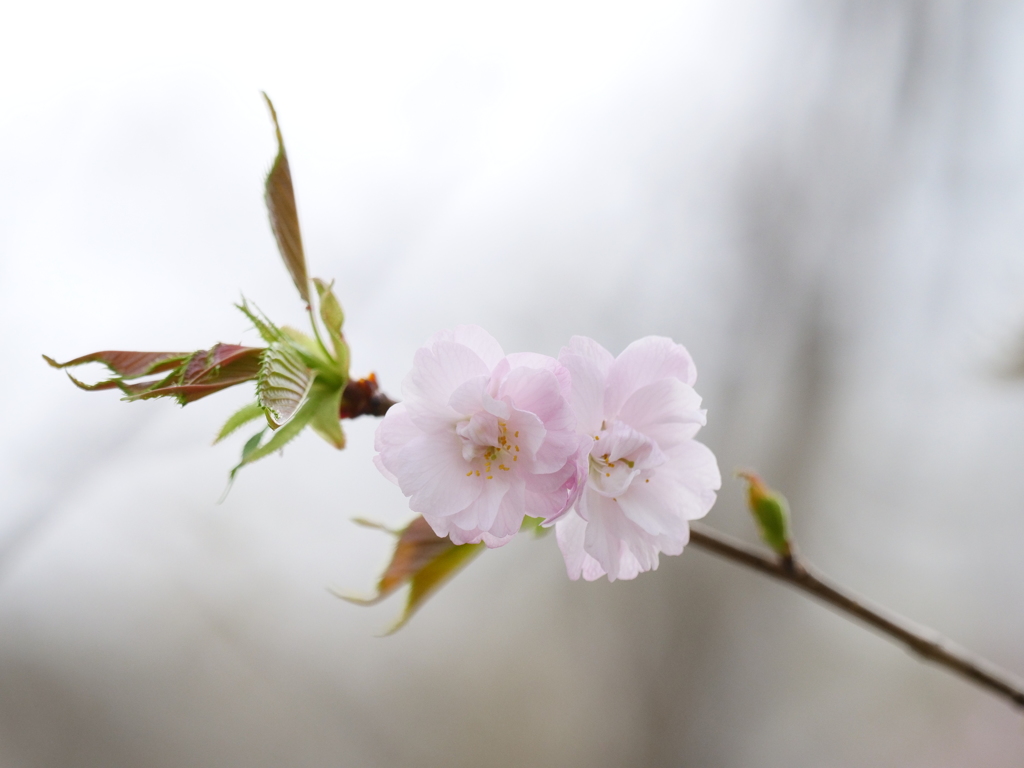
x: 771, y: 512
x: 284, y: 217
x: 334, y: 318
x: 192, y: 376
x: 285, y: 434
x: 421, y: 559
x: 243, y: 416
x: 283, y: 383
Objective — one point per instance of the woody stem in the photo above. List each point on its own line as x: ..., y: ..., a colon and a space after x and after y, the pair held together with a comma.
x: 924, y: 642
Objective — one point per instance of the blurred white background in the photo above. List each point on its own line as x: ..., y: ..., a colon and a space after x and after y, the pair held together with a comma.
x: 823, y: 201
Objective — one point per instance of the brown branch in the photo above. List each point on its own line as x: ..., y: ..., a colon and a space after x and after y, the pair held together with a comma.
x: 927, y: 644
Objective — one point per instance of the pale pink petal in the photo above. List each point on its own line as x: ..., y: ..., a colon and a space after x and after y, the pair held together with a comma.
x: 439, y: 370
x: 543, y: 363
x: 433, y: 474
x: 588, y: 363
x: 394, y: 431
x: 538, y: 391
x: 482, y: 511
x: 644, y: 362
x: 622, y: 548
x: 468, y: 397
x: 655, y: 505
x: 510, y: 515
x: 474, y: 337
x: 587, y: 396
x: 667, y: 411
x: 527, y: 433
x: 588, y: 348
x: 570, y: 531
x: 692, y: 467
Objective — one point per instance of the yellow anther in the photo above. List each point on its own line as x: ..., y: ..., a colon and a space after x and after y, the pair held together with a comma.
x: 597, y: 437
x: 517, y: 449
x: 478, y: 473
x: 607, y: 474
x: 490, y: 477
x: 502, y: 466
x: 515, y: 458
x: 647, y: 480
x: 517, y: 433
x: 469, y: 474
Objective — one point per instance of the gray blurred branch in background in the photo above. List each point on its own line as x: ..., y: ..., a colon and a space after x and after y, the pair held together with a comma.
x: 924, y: 642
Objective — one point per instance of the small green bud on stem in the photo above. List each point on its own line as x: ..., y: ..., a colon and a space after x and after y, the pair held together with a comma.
x: 771, y: 512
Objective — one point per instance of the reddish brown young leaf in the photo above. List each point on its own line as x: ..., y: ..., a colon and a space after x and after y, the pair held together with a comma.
x: 424, y: 561
x: 126, y: 365
x: 284, y: 216
x: 192, y: 375
x: 205, y: 372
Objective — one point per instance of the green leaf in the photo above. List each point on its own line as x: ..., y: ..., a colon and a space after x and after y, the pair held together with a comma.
x: 283, y: 384
x: 334, y: 318
x: 771, y: 513
x: 330, y: 309
x: 243, y: 416
x: 251, y: 445
x: 269, y: 332
x: 326, y: 421
x: 421, y: 559
x: 284, y: 216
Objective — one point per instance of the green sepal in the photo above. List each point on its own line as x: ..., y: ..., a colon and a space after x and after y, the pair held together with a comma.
x: 535, y: 525
x: 325, y: 421
x: 242, y: 416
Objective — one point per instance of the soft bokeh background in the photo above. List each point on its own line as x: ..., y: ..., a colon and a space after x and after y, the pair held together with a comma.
x: 823, y: 200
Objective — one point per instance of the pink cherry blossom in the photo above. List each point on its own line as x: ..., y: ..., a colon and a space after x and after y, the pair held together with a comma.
x: 646, y: 477
x: 481, y: 439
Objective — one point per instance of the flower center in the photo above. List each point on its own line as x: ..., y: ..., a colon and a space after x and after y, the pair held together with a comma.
x: 488, y: 445
x: 619, y: 456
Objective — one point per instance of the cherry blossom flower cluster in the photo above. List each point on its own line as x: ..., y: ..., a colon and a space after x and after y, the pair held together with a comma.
x: 601, y: 447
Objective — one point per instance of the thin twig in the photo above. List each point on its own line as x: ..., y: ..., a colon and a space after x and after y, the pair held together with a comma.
x: 927, y: 644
